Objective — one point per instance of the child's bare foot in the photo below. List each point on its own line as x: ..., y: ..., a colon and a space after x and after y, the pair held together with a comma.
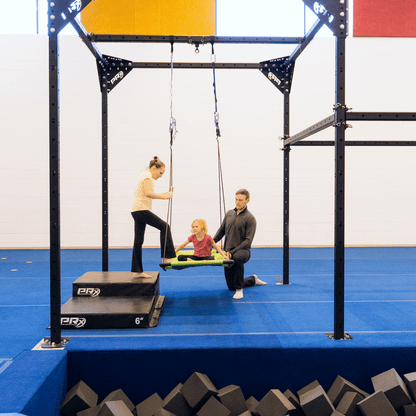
x: 146, y: 276
x: 167, y: 260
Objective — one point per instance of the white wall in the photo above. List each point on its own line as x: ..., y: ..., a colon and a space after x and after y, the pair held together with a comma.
x: 381, y: 181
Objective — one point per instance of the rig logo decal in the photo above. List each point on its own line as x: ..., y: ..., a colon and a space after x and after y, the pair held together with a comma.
x: 319, y: 8
x: 119, y: 76
x: 76, y: 322
x: 75, y: 6
x: 88, y: 291
x: 273, y: 77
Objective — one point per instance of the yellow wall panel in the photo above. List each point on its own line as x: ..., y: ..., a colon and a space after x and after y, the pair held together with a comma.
x: 150, y: 17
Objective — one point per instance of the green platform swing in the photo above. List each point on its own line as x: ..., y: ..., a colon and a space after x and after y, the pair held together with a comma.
x: 218, y: 259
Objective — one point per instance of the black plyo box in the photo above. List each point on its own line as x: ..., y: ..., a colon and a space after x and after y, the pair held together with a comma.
x: 114, y: 284
x: 108, y: 313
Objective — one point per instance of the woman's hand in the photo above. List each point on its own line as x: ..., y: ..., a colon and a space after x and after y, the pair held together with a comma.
x: 169, y: 194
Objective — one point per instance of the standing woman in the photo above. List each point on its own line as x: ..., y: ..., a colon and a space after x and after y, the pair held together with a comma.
x: 143, y: 215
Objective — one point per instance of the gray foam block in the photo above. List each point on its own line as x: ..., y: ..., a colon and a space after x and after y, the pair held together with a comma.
x: 197, y: 390
x: 376, y: 404
x: 115, y: 408
x: 233, y: 399
x: 392, y: 385
x: 335, y: 413
x: 274, y: 403
x: 117, y: 395
x: 213, y: 408
x: 80, y: 397
x: 251, y: 404
x: 407, y: 410
x: 307, y: 388
x: 163, y: 412
x: 348, y: 404
x: 92, y: 411
x: 175, y: 402
x: 339, y: 387
x: 316, y: 402
x: 149, y: 406
x: 295, y: 401
x: 410, y: 380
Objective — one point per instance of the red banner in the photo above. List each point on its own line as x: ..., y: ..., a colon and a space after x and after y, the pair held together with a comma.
x: 385, y: 18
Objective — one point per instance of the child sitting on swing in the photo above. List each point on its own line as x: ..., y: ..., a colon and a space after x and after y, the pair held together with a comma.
x: 202, y: 242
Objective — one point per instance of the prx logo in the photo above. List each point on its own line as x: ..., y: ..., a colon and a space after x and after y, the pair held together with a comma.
x: 319, y: 8
x: 75, y: 6
x: 76, y: 322
x: 88, y: 291
x: 273, y: 77
x: 119, y: 76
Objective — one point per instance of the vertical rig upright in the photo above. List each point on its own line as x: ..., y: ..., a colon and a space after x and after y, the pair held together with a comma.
x: 54, y: 187
x: 54, y: 181
x: 339, y: 217
x: 60, y: 13
x: 286, y: 187
x: 104, y: 171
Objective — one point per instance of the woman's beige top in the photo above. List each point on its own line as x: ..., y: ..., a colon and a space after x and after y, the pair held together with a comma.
x: 141, y: 202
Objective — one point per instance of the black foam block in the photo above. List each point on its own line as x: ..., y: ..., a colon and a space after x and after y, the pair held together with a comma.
x: 197, y: 390
x: 376, y: 404
x: 348, y: 404
x: 115, y: 408
x: 407, y: 410
x: 92, y: 411
x: 274, y: 403
x: 80, y: 397
x: 176, y: 403
x: 310, y: 386
x: 233, y: 399
x: 213, y: 408
x: 339, y: 387
x: 119, y: 395
x: 150, y: 406
x: 316, y: 402
x: 246, y: 413
x: 410, y: 380
x: 392, y: 385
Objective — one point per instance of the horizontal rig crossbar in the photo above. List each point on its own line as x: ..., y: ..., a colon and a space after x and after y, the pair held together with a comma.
x: 194, y: 39
x: 196, y: 65
x: 357, y: 143
x: 355, y: 116
x: 321, y: 125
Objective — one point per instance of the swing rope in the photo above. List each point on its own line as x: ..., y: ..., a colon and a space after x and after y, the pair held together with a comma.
x: 173, y: 131
x: 218, y: 135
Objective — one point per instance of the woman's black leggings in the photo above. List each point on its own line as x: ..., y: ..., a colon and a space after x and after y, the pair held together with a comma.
x: 167, y: 249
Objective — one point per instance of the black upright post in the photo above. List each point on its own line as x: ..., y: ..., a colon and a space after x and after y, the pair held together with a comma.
x: 104, y: 115
x: 54, y: 204
x: 339, y: 232
x: 286, y: 152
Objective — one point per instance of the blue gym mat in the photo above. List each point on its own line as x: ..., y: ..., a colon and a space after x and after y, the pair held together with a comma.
x: 380, y: 301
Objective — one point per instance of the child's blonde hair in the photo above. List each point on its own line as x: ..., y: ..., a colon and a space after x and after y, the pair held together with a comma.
x: 202, y: 224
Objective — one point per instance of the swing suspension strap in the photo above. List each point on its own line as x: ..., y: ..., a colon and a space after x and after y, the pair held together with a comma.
x: 173, y: 131
x: 218, y: 135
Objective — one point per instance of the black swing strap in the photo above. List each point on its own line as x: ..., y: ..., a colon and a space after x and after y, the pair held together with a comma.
x: 173, y: 131
x: 218, y: 135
